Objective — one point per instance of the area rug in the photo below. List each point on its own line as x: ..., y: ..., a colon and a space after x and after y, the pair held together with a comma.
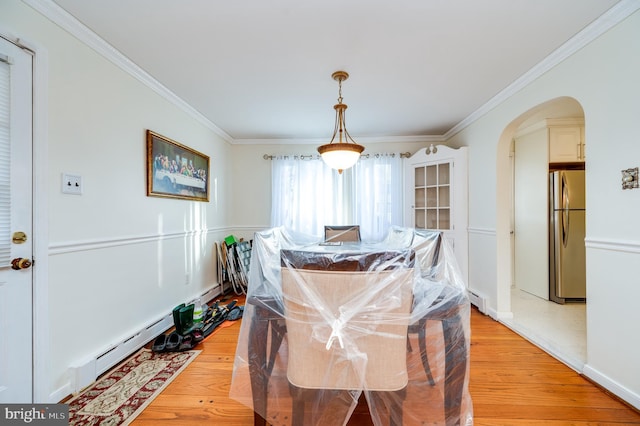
x: 123, y: 393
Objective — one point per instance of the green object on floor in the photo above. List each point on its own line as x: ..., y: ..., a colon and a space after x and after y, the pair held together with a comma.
x: 183, y: 318
x: 230, y: 240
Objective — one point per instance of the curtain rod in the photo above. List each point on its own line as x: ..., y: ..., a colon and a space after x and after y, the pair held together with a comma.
x: 303, y: 157
x: 311, y: 156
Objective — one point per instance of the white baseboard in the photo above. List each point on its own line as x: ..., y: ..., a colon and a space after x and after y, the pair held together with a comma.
x: 478, y: 300
x: 501, y: 315
x: 60, y: 393
x: 84, y: 372
x: 614, y: 387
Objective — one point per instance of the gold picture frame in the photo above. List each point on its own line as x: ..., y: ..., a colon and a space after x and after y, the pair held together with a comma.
x: 175, y: 170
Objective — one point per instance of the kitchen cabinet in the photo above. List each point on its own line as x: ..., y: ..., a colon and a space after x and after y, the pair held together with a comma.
x: 566, y: 141
x: 436, y: 196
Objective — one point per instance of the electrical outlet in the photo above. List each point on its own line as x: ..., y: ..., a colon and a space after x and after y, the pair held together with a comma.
x: 71, y: 184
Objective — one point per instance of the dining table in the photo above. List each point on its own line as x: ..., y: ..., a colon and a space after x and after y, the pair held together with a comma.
x: 437, y: 334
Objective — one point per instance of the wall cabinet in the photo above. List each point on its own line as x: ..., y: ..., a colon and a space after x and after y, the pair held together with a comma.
x: 566, y: 141
x: 436, y: 196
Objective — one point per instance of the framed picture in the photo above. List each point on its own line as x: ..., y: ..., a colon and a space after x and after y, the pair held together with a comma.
x: 175, y: 170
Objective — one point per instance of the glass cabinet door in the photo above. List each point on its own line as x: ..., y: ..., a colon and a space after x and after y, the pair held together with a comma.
x: 432, y: 191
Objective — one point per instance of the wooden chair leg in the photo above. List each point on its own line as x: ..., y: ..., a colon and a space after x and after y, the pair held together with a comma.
x: 422, y: 342
x: 277, y: 334
x: 297, y: 409
x: 396, y: 410
x: 392, y: 403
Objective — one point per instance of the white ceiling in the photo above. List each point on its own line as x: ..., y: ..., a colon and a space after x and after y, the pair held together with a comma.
x: 261, y: 69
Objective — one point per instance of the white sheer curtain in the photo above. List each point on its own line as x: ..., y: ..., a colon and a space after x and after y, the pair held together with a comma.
x: 306, y: 194
x: 377, y: 194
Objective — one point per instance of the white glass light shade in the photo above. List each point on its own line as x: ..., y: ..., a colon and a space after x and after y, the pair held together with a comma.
x: 340, y: 156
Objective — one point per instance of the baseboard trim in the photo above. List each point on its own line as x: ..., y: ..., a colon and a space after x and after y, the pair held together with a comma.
x: 86, y: 371
x: 500, y: 315
x: 619, y: 391
x: 547, y: 346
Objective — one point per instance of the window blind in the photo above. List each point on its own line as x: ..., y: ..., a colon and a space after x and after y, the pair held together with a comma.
x: 5, y: 162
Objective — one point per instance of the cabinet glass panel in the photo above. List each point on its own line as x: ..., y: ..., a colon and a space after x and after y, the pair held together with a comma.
x: 444, y: 219
x: 443, y: 196
x: 432, y: 197
x: 420, y: 198
x: 443, y: 174
x: 419, y: 177
x: 420, y: 219
x: 432, y: 175
x: 432, y: 219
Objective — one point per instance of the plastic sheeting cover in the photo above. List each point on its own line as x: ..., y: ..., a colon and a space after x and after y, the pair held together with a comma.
x: 325, y: 324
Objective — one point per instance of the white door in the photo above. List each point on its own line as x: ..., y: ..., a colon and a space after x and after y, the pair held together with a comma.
x: 436, y: 196
x: 531, y: 194
x: 16, y: 319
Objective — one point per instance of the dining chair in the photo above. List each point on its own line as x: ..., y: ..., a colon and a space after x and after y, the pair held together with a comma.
x: 347, y: 316
x: 342, y: 233
x: 442, y: 298
x: 428, y: 245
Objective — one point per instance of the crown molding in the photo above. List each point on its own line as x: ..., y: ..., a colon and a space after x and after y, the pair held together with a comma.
x: 605, y: 22
x: 66, y: 21
x: 321, y: 141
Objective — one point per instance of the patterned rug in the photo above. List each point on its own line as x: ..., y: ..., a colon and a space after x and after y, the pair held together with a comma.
x: 119, y: 396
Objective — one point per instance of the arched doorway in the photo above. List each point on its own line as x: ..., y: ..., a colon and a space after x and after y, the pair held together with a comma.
x: 560, y: 330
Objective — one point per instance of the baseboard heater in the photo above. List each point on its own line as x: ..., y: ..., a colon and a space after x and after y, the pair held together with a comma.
x: 478, y: 300
x: 86, y: 372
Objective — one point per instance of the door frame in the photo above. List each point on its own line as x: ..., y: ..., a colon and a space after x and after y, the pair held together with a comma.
x: 41, y: 351
x: 40, y: 307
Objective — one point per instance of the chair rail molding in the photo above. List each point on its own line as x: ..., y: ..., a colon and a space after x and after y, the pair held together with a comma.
x: 613, y: 245
x: 482, y: 231
x: 99, y: 244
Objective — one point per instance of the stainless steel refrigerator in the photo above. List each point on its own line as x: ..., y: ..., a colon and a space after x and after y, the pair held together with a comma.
x: 567, y: 275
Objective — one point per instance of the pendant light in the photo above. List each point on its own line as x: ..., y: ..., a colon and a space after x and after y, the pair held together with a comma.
x: 344, y: 152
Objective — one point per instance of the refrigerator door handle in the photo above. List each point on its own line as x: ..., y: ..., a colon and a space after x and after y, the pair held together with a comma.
x: 565, y: 227
x: 565, y: 211
x: 565, y: 193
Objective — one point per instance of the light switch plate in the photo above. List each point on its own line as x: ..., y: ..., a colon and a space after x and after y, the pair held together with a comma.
x: 71, y: 184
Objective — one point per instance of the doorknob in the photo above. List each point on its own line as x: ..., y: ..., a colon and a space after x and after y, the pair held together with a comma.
x: 20, y: 263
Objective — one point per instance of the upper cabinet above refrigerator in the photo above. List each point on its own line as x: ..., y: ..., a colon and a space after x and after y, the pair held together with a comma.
x: 566, y: 140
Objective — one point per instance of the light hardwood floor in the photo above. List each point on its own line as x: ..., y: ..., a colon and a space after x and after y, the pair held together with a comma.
x: 512, y: 383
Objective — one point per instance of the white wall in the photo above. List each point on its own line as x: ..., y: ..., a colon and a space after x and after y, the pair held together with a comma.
x: 118, y: 260
x: 603, y: 78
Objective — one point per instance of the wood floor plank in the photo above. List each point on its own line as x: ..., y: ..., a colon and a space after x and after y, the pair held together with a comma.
x: 512, y: 383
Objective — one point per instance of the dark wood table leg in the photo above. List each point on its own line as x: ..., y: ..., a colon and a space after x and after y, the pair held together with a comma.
x: 455, y: 368
x: 258, y: 331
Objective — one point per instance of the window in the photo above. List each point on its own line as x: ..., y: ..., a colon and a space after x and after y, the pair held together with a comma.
x: 306, y: 194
